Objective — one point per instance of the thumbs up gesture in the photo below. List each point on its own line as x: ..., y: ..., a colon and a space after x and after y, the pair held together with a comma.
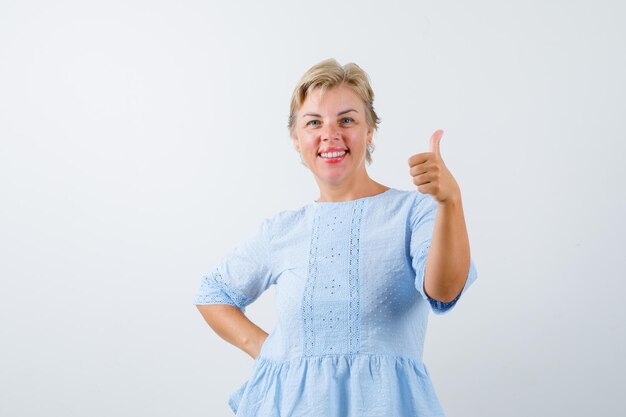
x: 430, y: 174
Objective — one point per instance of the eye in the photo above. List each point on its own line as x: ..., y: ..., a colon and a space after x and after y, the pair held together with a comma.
x: 312, y: 122
x: 349, y: 119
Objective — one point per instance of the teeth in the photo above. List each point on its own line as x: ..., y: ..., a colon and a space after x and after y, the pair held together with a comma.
x: 332, y: 154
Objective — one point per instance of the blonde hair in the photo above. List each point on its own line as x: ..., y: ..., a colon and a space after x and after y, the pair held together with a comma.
x: 329, y: 74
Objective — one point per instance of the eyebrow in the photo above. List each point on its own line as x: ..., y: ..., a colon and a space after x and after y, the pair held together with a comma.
x: 338, y: 114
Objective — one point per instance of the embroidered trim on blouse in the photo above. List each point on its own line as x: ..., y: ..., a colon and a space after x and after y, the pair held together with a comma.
x: 307, y: 302
x: 354, y: 335
x: 215, y: 290
x: 317, y: 314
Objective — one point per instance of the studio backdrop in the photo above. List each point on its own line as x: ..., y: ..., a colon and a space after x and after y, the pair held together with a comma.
x: 141, y: 141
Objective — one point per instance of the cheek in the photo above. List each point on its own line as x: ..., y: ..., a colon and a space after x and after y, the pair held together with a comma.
x: 356, y: 141
x: 309, y: 143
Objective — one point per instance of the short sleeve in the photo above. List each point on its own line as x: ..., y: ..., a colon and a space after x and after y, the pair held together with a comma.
x: 422, y: 220
x: 241, y: 276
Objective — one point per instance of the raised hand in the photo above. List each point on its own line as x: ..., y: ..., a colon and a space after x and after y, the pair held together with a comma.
x: 430, y: 174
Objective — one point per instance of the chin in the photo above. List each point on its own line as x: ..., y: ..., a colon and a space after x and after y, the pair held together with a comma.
x: 332, y: 179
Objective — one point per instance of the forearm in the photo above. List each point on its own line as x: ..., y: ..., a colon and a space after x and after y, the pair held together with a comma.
x: 448, y: 262
x: 232, y: 325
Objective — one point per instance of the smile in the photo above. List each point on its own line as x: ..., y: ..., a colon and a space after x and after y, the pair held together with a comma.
x: 333, y: 157
x: 332, y: 154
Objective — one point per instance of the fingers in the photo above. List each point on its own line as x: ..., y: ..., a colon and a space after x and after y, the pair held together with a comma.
x: 423, y: 179
x: 427, y: 166
x: 420, y: 158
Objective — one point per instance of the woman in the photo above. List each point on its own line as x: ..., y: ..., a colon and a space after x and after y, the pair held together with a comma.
x: 356, y: 272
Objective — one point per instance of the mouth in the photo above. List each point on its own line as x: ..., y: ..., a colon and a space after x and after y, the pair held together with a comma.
x: 333, y: 157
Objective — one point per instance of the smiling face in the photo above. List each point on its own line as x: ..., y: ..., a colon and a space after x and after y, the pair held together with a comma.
x: 332, y: 135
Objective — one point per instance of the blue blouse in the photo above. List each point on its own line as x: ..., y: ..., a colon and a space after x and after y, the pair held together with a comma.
x: 351, y: 308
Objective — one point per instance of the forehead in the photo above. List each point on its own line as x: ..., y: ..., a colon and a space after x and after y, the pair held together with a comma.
x: 331, y: 99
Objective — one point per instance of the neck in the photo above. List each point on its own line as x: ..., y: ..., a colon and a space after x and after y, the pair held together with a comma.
x: 349, y: 191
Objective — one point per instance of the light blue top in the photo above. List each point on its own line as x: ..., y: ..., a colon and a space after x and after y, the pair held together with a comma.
x: 351, y: 308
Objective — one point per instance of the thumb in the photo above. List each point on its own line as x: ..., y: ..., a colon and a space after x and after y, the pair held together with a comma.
x: 433, y: 145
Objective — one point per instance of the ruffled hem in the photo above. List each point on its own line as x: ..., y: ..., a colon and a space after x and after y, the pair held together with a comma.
x: 235, y: 398
x: 338, y: 385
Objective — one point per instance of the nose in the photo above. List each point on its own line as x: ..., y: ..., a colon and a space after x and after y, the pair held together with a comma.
x: 330, y: 132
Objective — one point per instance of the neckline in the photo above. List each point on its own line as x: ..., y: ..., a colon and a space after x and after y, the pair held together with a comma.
x: 369, y: 197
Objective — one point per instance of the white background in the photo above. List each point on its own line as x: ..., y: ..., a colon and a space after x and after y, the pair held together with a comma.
x: 140, y: 141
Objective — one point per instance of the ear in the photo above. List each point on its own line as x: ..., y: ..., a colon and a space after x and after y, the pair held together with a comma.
x: 370, y: 134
